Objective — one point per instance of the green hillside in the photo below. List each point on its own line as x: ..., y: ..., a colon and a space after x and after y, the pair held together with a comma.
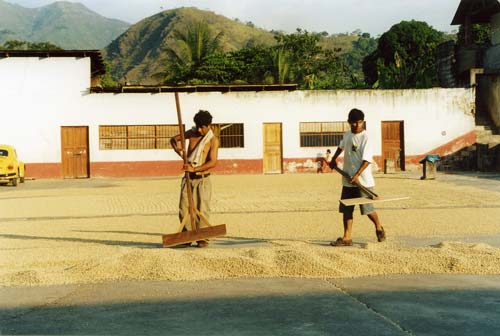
x: 140, y: 52
x: 15, y: 21
x: 139, y: 55
x: 69, y: 25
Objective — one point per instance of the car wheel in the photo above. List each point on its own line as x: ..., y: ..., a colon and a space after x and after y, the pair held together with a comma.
x: 21, y: 178
x: 14, y: 182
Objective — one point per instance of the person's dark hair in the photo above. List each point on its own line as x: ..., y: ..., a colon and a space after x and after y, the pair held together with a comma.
x: 202, y: 118
x: 355, y: 115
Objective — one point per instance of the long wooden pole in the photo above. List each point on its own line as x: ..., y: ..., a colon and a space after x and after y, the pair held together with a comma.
x: 367, y: 191
x: 194, y: 224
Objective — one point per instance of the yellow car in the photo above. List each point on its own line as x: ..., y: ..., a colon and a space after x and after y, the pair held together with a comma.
x: 11, y: 169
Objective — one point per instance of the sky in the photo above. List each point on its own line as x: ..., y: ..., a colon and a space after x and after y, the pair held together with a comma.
x: 332, y: 16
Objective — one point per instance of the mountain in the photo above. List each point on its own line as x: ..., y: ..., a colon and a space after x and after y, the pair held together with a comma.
x: 66, y: 24
x: 14, y: 21
x: 140, y: 52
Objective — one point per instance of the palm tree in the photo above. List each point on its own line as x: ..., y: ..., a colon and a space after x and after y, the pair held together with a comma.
x: 281, y: 61
x: 193, y: 48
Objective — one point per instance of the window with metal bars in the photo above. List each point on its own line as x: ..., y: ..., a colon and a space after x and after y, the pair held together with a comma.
x: 230, y: 135
x: 322, y: 134
x: 136, y: 136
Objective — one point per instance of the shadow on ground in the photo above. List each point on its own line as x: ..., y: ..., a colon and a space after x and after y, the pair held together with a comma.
x: 281, y: 310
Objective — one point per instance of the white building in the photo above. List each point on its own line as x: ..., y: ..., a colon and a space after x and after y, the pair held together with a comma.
x: 62, y: 128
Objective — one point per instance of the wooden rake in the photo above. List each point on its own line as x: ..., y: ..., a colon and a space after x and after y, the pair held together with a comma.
x: 196, y: 233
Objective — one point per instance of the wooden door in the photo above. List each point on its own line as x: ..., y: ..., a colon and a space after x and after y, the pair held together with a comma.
x: 273, y: 157
x: 74, y: 151
x: 393, y: 143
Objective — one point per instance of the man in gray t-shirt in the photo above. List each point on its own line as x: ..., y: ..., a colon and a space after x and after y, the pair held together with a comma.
x: 358, y: 156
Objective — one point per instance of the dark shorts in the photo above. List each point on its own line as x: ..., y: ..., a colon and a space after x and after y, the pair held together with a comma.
x: 348, y: 192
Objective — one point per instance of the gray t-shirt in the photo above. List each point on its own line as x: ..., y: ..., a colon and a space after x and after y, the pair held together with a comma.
x: 357, y: 148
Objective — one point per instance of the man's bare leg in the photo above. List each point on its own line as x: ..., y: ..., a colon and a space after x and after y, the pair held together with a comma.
x: 348, y: 219
x: 374, y: 218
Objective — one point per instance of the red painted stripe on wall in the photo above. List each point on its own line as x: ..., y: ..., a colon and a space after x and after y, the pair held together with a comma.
x: 168, y: 168
x: 43, y: 170
x: 143, y: 168
x: 135, y: 169
x: 239, y: 167
x: 448, y: 148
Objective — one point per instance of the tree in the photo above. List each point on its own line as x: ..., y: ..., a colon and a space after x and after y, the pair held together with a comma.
x: 362, y: 47
x: 303, y: 50
x: 107, y: 80
x: 311, y: 66
x: 404, y: 57
x: 218, y: 68
x: 255, y: 64
x: 194, y: 47
x: 281, y: 65
x: 296, y: 58
x: 481, y: 34
x: 43, y: 46
x: 333, y: 72
x: 25, y: 45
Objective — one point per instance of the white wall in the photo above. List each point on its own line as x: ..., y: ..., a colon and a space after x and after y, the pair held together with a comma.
x: 45, y: 94
x: 37, y: 96
x: 432, y: 117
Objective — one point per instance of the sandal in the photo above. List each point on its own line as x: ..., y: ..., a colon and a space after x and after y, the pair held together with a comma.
x: 202, y: 243
x: 341, y: 242
x: 380, y: 235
